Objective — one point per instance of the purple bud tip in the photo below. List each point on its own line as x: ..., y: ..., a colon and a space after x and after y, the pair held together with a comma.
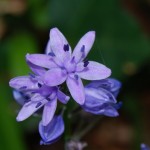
x: 23, y: 87
x: 66, y: 47
x: 39, y: 85
x: 83, y: 48
x: 86, y: 62
x: 38, y: 104
x: 76, y: 76
x: 51, y: 54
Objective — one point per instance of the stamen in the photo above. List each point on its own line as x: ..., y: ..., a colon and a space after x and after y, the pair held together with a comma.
x: 27, y: 100
x: 51, y: 54
x: 83, y: 48
x: 63, y: 68
x: 23, y: 87
x: 72, y: 60
x: 82, y: 51
x: 33, y: 92
x: 48, y: 99
x: 66, y: 47
x: 76, y: 76
x: 86, y: 62
x: 32, y: 75
x: 27, y: 97
x: 38, y: 104
x: 39, y: 85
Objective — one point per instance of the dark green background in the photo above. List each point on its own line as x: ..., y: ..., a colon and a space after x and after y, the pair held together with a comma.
x: 120, y: 44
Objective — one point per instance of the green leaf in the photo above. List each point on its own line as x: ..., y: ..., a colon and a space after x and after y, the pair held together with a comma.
x: 10, y: 138
x: 120, y: 43
x: 18, y: 45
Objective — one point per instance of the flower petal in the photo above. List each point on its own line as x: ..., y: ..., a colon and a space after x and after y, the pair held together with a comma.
x: 48, y: 112
x: 99, y: 108
x: 41, y: 60
x: 52, y: 131
x: 18, y: 97
x: 76, y: 89
x: 62, y: 97
x: 99, y: 84
x: 99, y: 95
x: 93, y: 71
x: 36, y: 69
x: 110, y: 111
x: 29, y: 108
x: 23, y: 83
x: 83, y: 47
x: 109, y: 84
x: 54, y: 77
x: 48, y: 48
x: 99, y: 101
x: 59, y: 45
x: 115, y: 86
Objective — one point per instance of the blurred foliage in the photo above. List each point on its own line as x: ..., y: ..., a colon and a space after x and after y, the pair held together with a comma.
x: 10, y: 134
x: 120, y: 44
x: 18, y: 46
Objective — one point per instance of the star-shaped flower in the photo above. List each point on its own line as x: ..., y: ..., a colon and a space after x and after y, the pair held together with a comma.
x: 63, y: 65
x: 35, y: 94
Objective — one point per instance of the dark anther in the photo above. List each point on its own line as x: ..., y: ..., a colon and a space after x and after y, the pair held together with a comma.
x: 33, y: 92
x: 76, y: 76
x: 32, y: 75
x: 23, y: 87
x: 51, y: 54
x: 63, y: 68
x: 27, y: 100
x: 66, y: 47
x: 83, y: 48
x: 38, y: 104
x: 86, y: 62
x: 39, y: 85
x: 105, y: 85
x: 48, y: 99
x: 27, y: 97
x: 72, y: 60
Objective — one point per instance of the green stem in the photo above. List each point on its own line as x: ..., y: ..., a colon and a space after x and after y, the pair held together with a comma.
x: 84, y: 131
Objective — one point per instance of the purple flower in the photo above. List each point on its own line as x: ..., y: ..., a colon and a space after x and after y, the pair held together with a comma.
x: 144, y: 147
x: 108, y: 84
x: 100, y: 97
x: 63, y: 65
x: 35, y: 94
x: 52, y: 131
x: 19, y: 97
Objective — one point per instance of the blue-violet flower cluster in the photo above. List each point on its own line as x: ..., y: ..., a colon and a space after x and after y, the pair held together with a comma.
x: 144, y: 147
x: 41, y: 89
